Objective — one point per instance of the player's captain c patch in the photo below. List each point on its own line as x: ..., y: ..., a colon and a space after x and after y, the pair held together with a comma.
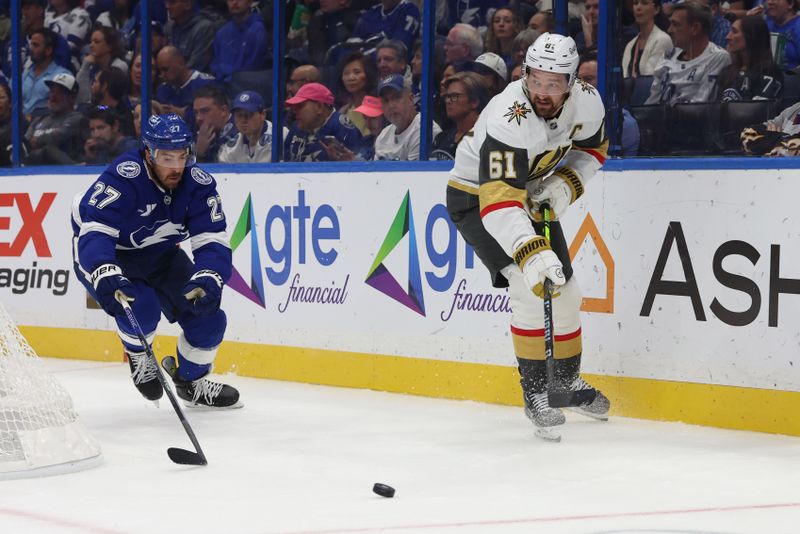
x: 129, y: 169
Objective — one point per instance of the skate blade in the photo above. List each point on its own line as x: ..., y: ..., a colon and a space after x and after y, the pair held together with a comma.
x: 586, y: 413
x: 206, y: 408
x: 549, y: 434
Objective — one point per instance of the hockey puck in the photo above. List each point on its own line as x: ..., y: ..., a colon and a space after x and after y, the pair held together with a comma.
x: 383, y: 490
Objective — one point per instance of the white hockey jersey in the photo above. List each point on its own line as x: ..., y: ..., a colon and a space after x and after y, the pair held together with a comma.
x: 239, y: 150
x: 74, y: 26
x: 511, y: 149
x: 676, y: 81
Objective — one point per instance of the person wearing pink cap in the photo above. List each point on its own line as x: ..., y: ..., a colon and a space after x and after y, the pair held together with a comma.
x: 318, y: 129
x: 372, y: 111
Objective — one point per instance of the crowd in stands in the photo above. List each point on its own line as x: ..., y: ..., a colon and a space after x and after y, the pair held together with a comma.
x: 353, y: 71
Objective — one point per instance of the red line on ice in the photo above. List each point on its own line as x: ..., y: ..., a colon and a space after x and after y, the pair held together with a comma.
x: 83, y: 527
x: 554, y: 519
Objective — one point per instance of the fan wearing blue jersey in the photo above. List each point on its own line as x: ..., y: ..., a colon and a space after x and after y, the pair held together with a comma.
x: 127, y: 227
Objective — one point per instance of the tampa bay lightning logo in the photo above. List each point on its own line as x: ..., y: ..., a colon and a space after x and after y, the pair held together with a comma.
x: 129, y: 169
x: 159, y: 231
x: 200, y: 176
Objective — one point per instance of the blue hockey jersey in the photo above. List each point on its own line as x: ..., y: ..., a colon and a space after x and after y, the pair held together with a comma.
x: 401, y: 23
x: 127, y: 210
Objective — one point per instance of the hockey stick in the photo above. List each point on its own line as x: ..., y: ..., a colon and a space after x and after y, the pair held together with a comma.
x: 179, y: 456
x: 557, y: 398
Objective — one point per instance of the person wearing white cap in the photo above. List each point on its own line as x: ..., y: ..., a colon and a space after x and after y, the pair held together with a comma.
x: 494, y: 72
x: 537, y: 143
x: 56, y: 137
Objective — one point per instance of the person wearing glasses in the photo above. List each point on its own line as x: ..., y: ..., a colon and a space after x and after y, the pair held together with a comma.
x: 465, y: 97
x: 126, y: 231
x: 537, y: 142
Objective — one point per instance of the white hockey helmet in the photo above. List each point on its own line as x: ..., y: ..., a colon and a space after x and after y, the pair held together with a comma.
x: 552, y: 52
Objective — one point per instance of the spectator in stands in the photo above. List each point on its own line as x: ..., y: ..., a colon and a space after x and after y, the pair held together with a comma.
x: 720, y: 26
x: 689, y: 72
x: 642, y: 54
x: 117, y: 16
x: 318, y: 128
x: 493, y: 72
x: 358, y: 77
x: 155, y: 109
x: 779, y: 136
x: 465, y: 98
x: 752, y: 74
x: 5, y: 125
x: 782, y: 18
x: 332, y: 23
x: 253, y: 142
x: 242, y: 44
x: 391, y: 19
x: 390, y: 57
x: 157, y: 39
x: 400, y: 140
x: 372, y: 109
x: 586, y: 39
x: 587, y: 73
x: 543, y: 22
x: 55, y: 137
x: 179, y: 82
x: 106, y: 140
x: 521, y: 43
x: 105, y: 51
x: 300, y: 76
x: 214, y: 121
x: 516, y: 72
x: 33, y: 19
x: 109, y: 89
x: 135, y: 79
x: 68, y: 19
x: 501, y: 32
x: 416, y: 72
x: 463, y: 43
x: 191, y: 32
x: 41, y: 69
x: 472, y: 12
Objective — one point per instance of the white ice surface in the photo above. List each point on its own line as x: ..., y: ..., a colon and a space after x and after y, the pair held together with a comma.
x: 302, y: 458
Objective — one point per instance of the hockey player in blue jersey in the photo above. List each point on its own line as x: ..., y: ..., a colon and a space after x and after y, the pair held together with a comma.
x: 127, y: 227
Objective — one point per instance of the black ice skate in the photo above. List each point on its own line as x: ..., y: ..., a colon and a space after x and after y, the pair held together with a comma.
x: 143, y: 373
x: 201, y: 393
x: 548, y: 420
x: 598, y: 408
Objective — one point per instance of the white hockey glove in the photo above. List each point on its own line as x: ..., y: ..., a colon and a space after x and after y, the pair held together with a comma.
x: 554, y: 191
x: 538, y: 262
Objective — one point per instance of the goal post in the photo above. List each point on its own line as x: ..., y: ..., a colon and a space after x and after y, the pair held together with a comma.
x: 40, y: 433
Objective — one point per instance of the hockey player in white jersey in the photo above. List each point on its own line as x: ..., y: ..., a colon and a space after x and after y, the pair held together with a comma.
x: 538, y: 141
x: 127, y: 227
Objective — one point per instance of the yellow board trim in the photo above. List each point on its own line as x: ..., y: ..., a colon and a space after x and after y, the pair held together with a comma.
x: 738, y: 408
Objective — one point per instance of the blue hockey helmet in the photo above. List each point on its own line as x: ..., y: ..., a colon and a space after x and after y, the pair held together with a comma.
x: 168, y: 132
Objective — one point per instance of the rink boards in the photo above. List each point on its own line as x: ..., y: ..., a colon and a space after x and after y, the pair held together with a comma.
x: 690, y: 279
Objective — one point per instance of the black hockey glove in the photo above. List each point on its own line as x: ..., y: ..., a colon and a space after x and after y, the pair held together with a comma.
x: 204, y: 290
x: 107, y: 280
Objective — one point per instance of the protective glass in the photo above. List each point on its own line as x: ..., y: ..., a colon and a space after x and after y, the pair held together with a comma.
x: 174, y: 159
x: 546, y: 83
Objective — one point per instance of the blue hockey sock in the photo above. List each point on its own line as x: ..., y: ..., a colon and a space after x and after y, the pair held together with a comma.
x: 191, y: 371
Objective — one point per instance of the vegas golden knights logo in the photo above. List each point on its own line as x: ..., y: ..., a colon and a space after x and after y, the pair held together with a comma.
x: 545, y: 162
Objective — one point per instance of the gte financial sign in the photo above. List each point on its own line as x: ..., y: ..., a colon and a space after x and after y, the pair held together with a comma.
x: 675, y: 242
x: 21, y: 228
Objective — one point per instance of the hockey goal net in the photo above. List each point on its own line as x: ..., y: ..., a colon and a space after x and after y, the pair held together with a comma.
x: 39, y: 429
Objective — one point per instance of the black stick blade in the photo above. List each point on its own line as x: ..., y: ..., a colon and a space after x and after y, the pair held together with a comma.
x: 184, y: 457
x: 563, y: 399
